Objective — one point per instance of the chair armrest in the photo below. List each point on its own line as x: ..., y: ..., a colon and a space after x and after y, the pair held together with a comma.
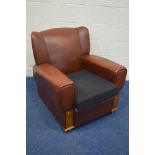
x: 57, y: 86
x: 105, y: 68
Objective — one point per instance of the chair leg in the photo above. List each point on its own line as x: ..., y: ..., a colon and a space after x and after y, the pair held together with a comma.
x: 69, y: 120
x: 115, y: 104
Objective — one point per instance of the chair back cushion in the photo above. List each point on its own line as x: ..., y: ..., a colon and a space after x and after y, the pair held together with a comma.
x: 61, y: 47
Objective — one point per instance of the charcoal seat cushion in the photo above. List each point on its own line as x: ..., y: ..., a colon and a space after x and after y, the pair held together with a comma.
x: 91, y: 89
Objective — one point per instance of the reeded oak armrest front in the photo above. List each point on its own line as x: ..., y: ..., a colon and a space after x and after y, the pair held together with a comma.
x: 58, y: 87
x: 105, y: 68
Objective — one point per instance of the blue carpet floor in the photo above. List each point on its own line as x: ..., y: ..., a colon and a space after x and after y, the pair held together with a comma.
x: 105, y: 136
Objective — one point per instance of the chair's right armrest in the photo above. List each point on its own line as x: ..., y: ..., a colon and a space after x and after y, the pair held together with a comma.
x: 105, y: 68
x: 57, y: 86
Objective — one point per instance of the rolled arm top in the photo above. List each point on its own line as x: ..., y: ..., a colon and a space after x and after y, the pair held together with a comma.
x: 56, y: 84
x: 105, y: 68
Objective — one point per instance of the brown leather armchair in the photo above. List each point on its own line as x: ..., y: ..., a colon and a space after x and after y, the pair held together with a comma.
x: 77, y: 87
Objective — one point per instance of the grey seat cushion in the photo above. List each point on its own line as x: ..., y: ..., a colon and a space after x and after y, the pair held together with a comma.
x: 91, y: 89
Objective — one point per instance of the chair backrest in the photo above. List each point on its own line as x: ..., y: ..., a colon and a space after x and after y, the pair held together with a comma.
x: 61, y: 47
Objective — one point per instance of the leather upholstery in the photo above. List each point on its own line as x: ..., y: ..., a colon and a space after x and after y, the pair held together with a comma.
x: 105, y: 68
x: 54, y: 108
x: 84, y: 40
x: 62, y: 51
x: 85, y: 115
x: 39, y: 48
x: 62, y: 48
x: 58, y: 87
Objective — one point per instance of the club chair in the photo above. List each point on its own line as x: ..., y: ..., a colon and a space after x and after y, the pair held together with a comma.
x: 76, y: 86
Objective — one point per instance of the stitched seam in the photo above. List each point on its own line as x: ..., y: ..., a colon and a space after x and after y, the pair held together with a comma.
x: 77, y: 30
x: 41, y: 36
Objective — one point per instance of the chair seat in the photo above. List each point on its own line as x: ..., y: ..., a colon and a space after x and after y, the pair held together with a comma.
x: 91, y: 89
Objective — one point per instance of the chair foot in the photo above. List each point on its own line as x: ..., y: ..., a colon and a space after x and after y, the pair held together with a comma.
x: 114, y: 110
x: 69, y: 128
x: 69, y: 120
x: 115, y: 104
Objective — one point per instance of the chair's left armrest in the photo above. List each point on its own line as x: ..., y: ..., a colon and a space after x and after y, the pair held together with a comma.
x: 105, y: 68
x: 57, y: 86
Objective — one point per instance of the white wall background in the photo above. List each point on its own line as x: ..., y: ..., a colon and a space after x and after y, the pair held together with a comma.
x: 107, y: 21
